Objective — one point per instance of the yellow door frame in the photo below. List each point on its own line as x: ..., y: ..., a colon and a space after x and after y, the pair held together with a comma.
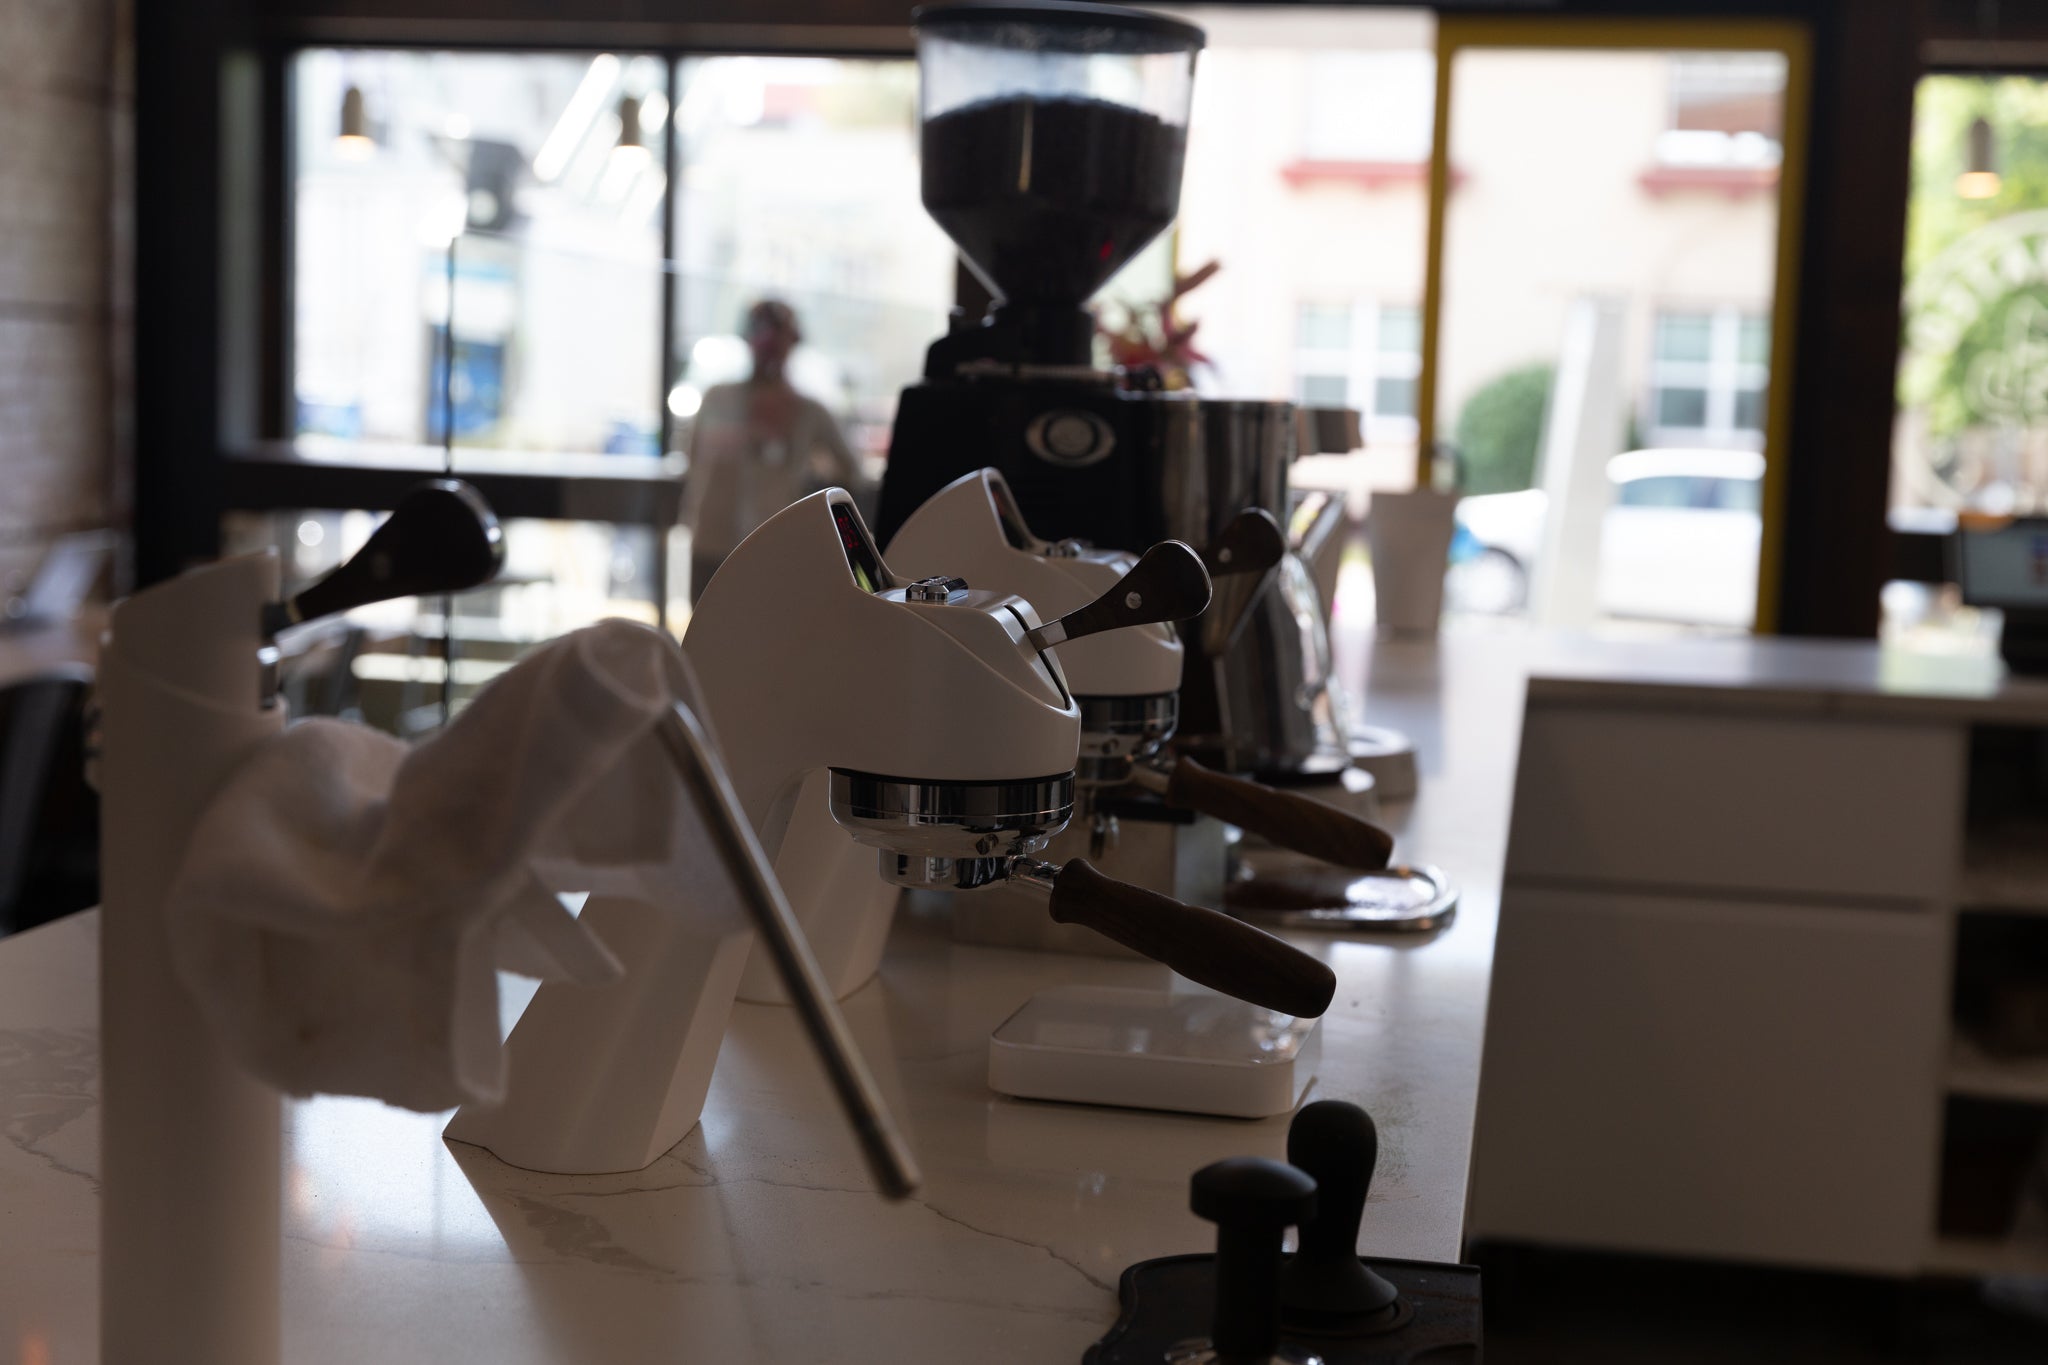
x: 1455, y: 34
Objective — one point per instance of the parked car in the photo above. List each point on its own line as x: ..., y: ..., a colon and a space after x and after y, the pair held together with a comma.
x: 1679, y: 541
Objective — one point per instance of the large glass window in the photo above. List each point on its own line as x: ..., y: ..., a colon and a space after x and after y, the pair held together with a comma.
x: 1568, y: 353
x: 478, y: 241
x: 490, y: 270
x: 1972, y: 430
x: 544, y: 176
x: 479, y: 244
x: 1973, y: 386
x: 800, y: 183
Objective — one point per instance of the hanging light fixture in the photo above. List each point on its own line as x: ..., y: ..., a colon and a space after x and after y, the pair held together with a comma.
x: 631, y: 146
x: 1979, y: 179
x: 354, y: 142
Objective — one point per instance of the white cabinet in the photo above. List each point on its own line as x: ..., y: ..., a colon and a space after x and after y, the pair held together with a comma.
x: 1727, y: 1079
x: 1719, y: 1023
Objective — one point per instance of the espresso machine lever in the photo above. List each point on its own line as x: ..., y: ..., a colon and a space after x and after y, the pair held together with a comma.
x: 1251, y: 543
x: 441, y: 537
x: 1240, y: 560
x: 1168, y: 583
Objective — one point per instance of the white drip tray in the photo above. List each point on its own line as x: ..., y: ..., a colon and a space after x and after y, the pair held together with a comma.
x: 1188, y: 1050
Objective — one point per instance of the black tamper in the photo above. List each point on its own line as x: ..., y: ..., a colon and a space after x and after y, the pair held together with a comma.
x: 1252, y: 1201
x: 1325, y: 1286
x: 1331, y: 1307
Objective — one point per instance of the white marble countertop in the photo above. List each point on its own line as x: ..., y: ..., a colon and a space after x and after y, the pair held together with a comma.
x: 1792, y: 676
x: 757, y: 1238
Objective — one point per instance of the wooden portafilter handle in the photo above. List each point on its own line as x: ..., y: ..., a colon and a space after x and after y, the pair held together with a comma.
x: 1289, y: 819
x: 1205, y: 946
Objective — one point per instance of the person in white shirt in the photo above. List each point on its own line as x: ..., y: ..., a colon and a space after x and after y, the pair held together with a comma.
x: 757, y: 446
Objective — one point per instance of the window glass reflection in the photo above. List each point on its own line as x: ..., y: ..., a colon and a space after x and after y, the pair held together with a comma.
x: 1973, y: 423
x: 477, y: 244
x: 382, y: 663
x: 800, y: 184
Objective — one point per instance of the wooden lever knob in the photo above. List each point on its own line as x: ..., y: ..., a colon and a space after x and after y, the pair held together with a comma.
x: 1288, y: 819
x: 1203, y: 945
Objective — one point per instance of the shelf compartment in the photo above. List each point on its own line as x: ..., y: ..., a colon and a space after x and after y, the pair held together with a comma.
x: 1988, y: 1152
x: 1974, y: 1256
x: 2005, y: 867
x: 1978, y: 1074
x: 2005, y: 845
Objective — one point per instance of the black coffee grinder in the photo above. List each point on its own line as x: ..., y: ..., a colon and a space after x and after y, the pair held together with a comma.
x: 1053, y: 140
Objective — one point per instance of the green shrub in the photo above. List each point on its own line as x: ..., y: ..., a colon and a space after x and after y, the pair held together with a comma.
x: 1500, y: 429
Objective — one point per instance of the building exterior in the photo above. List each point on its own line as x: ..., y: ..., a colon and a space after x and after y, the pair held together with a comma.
x: 1645, y: 177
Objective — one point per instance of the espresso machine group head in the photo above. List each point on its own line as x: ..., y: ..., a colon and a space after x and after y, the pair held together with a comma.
x: 1146, y: 813
x: 927, y: 725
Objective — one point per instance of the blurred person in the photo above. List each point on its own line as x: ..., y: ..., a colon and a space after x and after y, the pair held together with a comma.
x: 758, y: 446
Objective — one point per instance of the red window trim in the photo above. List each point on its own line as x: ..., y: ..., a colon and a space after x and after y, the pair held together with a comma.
x: 1736, y: 182
x: 1366, y: 175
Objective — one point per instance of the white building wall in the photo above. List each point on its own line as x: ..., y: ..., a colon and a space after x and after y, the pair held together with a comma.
x: 1549, y: 150
x: 1282, y: 246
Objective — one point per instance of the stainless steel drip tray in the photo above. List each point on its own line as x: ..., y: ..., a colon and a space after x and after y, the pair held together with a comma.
x: 1404, y: 900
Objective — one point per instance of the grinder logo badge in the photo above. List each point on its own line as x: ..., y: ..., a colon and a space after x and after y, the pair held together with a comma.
x: 1069, y: 437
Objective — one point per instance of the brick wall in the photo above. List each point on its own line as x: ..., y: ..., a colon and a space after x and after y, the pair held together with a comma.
x: 66, y: 98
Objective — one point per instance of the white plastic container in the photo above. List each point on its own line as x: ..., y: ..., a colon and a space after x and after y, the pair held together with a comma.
x: 1190, y: 1051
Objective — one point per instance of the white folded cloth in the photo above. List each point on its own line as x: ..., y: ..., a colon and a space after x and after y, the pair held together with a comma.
x: 346, y: 899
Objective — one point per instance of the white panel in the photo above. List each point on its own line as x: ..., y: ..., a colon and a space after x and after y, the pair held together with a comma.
x: 1713, y: 1079
x: 1783, y: 804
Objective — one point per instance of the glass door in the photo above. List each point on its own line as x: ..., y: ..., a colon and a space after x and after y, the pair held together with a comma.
x: 1613, y: 230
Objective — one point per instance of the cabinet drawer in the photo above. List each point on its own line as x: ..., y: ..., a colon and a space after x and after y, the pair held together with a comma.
x: 1808, y: 806
x: 1714, y: 1079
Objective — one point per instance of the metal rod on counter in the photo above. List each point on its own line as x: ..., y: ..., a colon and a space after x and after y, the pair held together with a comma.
x: 888, y: 1155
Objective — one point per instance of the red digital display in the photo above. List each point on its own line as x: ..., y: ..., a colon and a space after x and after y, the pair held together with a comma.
x: 860, y: 555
